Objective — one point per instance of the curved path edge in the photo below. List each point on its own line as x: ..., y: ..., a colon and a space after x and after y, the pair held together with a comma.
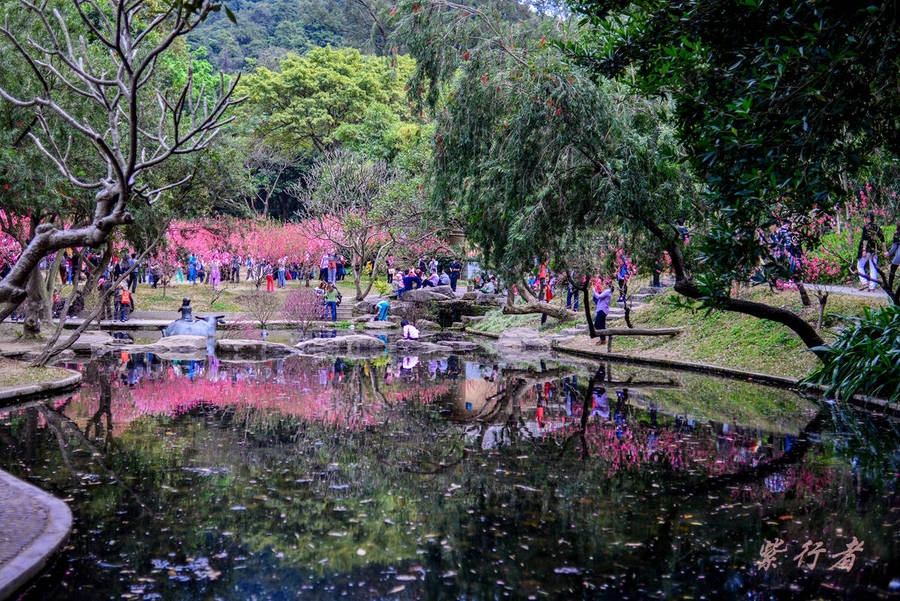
x: 28, y: 392
x: 864, y: 402
x: 35, y: 553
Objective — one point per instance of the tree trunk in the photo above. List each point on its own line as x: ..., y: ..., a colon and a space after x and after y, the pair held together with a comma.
x: 823, y: 300
x: 90, y: 286
x: 804, y: 296
x: 357, y: 278
x: 33, y: 305
x: 560, y: 313
x: 592, y: 331
x: 50, y: 283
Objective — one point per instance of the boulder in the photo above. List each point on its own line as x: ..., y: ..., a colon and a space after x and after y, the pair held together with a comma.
x: 171, y: 344
x: 379, y: 325
x: 536, y: 344
x: 470, y: 296
x: 252, y: 347
x: 497, y: 300
x: 424, y: 324
x: 516, y: 338
x: 89, y: 341
x: 470, y: 319
x: 340, y: 343
x: 431, y: 293
x: 365, y: 306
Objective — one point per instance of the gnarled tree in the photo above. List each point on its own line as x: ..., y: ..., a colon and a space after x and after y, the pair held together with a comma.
x: 105, y: 94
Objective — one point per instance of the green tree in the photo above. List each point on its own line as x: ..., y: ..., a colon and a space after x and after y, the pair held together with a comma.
x: 300, y: 107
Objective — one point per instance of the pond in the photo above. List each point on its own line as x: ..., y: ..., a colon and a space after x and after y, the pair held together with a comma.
x: 460, y: 477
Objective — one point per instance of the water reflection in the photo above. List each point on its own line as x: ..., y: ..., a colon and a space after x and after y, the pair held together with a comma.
x: 453, y: 477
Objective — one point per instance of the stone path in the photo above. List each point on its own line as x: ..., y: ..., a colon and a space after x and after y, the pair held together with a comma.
x: 33, y: 526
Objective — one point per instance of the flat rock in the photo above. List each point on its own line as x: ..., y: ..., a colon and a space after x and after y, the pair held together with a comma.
x: 460, y: 345
x: 420, y: 346
x: 425, y: 324
x: 171, y: 347
x: 340, y: 343
x: 252, y: 347
x: 470, y: 319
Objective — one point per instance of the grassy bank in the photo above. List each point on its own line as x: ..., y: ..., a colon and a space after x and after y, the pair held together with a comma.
x: 16, y: 373
x: 718, y: 338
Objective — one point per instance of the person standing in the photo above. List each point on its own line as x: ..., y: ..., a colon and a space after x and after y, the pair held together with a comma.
x: 390, y: 269
x: 331, y: 298
x: 215, y: 273
x: 281, y: 270
x: 455, y: 269
x: 124, y: 302
x: 603, y: 299
x: 192, y: 268
x: 622, y: 277
x: 133, y: 276
x: 270, y: 282
x: 867, y: 255
x: 571, y: 292
x: 235, y: 276
x: 332, y: 269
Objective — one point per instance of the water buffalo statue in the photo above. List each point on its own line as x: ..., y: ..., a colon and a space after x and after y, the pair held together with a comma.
x: 205, y: 326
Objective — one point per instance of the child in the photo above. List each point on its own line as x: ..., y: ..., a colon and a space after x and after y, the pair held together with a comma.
x: 410, y: 332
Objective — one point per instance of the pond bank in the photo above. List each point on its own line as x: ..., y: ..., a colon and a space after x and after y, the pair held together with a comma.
x: 33, y: 526
x: 33, y: 523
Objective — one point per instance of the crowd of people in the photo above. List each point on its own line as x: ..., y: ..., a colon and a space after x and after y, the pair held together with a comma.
x: 782, y: 241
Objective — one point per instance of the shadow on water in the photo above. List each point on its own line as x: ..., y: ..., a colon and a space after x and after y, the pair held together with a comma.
x: 453, y: 477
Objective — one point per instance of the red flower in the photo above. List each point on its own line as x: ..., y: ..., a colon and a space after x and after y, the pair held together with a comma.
x: 466, y: 55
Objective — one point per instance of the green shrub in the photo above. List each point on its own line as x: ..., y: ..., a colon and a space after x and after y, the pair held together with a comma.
x: 865, y: 357
x: 381, y: 287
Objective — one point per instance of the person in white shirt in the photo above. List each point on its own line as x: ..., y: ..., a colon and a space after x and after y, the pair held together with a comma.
x: 410, y: 332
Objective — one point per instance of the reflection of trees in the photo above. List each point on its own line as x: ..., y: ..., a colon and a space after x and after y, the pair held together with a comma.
x: 320, y: 490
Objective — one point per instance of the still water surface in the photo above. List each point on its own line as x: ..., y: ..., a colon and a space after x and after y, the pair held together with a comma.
x: 454, y: 478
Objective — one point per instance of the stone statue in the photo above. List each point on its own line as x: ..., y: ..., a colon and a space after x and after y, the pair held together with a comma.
x: 188, y: 326
x: 186, y: 310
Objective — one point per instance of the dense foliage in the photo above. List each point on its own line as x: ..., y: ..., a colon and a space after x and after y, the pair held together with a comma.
x: 865, y: 358
x: 780, y: 104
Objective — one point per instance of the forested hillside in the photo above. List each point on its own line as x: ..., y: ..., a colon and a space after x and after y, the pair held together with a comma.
x: 266, y: 30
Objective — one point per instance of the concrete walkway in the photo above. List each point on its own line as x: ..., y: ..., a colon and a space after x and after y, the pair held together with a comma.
x: 33, y: 526
x: 850, y: 290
